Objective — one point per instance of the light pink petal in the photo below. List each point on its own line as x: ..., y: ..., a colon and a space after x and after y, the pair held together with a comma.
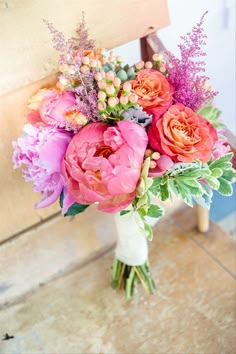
x: 135, y: 136
x: 124, y: 180
x: 92, y: 133
x: 52, y: 152
x: 49, y: 196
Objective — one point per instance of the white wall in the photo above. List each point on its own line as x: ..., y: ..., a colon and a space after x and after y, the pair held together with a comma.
x: 220, y: 60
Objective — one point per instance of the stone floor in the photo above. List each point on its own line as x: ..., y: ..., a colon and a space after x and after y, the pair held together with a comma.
x: 192, y: 311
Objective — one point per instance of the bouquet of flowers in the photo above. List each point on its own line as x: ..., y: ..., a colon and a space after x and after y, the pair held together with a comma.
x: 124, y: 137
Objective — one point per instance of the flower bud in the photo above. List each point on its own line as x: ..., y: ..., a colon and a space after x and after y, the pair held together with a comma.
x: 124, y: 100
x: 98, y: 76
x: 119, y: 59
x: 148, y: 65
x: 156, y: 155
x: 102, y: 95
x: 148, y: 152
x: 102, y: 84
x: 85, y: 60
x: 84, y: 69
x: 139, y: 65
x: 157, y: 57
x: 110, y: 89
x: 116, y: 82
x: 112, y: 101
x: 153, y: 164
x: 101, y: 106
x: 162, y: 69
x: 133, y: 98
x: 93, y: 63
x: 110, y: 75
x: 127, y: 86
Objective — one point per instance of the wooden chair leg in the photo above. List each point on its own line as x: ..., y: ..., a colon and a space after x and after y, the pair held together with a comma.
x: 202, y: 218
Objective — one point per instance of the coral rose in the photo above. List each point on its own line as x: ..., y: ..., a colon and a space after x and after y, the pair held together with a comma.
x: 103, y: 163
x: 153, y: 90
x: 182, y: 135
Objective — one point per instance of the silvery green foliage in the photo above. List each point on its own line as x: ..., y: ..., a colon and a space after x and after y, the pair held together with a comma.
x: 137, y: 115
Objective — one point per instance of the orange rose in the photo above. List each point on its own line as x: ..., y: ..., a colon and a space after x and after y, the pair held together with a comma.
x: 153, y: 90
x: 182, y: 135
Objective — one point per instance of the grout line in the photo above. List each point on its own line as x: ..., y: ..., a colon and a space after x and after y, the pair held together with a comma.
x: 216, y: 260
x: 210, y: 255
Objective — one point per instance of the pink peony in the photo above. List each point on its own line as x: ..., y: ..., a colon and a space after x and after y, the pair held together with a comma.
x: 42, y: 150
x: 56, y: 108
x: 103, y: 164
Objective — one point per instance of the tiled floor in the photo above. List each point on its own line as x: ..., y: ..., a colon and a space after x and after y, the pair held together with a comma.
x: 192, y: 311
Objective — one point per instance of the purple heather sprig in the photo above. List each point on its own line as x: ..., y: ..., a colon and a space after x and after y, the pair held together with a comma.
x: 184, y: 73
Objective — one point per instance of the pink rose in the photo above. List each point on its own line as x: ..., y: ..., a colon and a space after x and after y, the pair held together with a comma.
x: 182, y: 135
x: 103, y: 164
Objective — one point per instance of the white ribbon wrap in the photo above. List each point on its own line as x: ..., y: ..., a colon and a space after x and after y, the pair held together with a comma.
x: 132, y: 248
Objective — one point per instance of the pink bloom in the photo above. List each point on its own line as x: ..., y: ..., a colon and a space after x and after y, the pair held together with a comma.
x: 221, y: 147
x: 163, y: 164
x: 55, y: 108
x: 42, y: 150
x: 103, y: 164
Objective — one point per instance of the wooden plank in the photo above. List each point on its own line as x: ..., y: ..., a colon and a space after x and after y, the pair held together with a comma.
x: 31, y: 56
x: 52, y: 249
x: 17, y: 200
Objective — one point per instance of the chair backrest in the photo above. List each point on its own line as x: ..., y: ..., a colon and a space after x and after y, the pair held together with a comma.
x: 27, y: 63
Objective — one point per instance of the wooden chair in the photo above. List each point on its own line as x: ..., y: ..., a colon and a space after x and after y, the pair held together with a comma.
x: 17, y: 200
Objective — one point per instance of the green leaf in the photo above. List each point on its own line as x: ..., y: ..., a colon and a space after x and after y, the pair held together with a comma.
x: 212, y: 114
x: 229, y: 175
x: 172, y: 187
x: 190, y: 182
x: 155, y: 187
x: 76, y: 208
x: 225, y: 187
x: 198, y: 173
x: 222, y: 162
x: 155, y: 211
x: 164, y: 190
x: 216, y: 172
x: 185, y: 193
x: 142, y: 201
x: 213, y: 182
x: 124, y: 212
x: 148, y: 231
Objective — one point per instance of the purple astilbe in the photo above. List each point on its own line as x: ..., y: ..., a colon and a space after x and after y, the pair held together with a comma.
x: 87, y: 102
x: 185, y: 73
x: 81, y: 41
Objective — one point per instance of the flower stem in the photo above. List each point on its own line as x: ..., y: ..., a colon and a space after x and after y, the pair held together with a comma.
x: 127, y: 276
